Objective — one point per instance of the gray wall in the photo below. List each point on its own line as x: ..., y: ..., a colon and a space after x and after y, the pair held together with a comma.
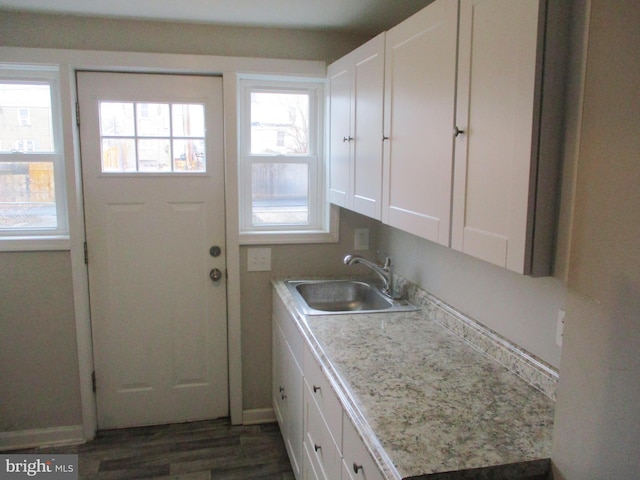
x: 39, y: 385
x: 598, y: 409
x: 523, y: 309
x: 87, y: 33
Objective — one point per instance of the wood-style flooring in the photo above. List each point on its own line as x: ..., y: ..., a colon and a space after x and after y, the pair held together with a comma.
x: 207, y: 450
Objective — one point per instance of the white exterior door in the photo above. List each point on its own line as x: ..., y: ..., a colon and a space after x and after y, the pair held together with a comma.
x: 153, y: 179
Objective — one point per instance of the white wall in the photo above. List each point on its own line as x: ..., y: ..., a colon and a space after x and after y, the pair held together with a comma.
x: 597, y: 433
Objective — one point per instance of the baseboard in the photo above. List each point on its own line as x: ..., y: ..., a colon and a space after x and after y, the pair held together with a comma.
x: 42, y: 437
x: 257, y: 416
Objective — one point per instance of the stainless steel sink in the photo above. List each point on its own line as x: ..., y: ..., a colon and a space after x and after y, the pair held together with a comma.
x: 331, y: 297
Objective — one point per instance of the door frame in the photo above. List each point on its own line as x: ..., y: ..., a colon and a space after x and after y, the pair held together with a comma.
x: 70, y: 61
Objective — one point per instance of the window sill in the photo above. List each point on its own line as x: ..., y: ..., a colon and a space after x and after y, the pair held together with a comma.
x: 33, y: 244
x: 280, y: 237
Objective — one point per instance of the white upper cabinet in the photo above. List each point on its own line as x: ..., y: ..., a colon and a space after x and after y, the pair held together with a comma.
x: 420, y: 88
x: 502, y: 162
x: 356, y: 88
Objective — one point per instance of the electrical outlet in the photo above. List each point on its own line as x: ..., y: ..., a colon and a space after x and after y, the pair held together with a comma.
x: 361, y: 239
x: 560, y: 328
x: 259, y: 260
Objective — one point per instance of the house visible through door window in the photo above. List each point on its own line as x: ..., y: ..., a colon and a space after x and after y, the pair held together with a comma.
x: 282, y: 174
x: 32, y: 194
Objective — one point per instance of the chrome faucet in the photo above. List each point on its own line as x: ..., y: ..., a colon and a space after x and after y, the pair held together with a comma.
x: 385, y: 272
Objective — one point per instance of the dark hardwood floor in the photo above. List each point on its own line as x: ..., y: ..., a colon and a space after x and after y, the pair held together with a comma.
x: 207, y: 450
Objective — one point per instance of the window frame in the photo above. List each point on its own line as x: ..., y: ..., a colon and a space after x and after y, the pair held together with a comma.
x: 323, y: 217
x: 35, y: 238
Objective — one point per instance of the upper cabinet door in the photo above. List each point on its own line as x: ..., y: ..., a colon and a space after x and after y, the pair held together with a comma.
x: 499, y: 110
x: 340, y: 128
x: 368, y: 92
x: 420, y: 87
x: 356, y: 89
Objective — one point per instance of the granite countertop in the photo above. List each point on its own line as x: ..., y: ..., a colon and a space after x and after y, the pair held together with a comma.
x: 426, y: 403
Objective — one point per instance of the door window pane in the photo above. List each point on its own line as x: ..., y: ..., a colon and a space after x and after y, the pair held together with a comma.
x: 188, y: 120
x: 189, y: 156
x: 154, y: 155
x: 279, y: 123
x: 116, y: 119
x: 280, y: 194
x: 153, y: 119
x: 118, y: 155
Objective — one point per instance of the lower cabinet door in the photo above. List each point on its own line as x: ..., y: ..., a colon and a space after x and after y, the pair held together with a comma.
x: 357, y: 463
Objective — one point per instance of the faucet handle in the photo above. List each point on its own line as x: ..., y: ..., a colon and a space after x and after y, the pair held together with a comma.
x: 387, y: 263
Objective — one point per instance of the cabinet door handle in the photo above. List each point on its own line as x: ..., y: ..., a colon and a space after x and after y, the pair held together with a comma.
x: 316, y: 447
x: 356, y: 468
x: 281, y: 389
x: 347, y: 139
x: 315, y: 389
x: 457, y: 131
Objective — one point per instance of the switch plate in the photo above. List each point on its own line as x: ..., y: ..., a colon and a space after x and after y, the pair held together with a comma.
x: 361, y: 239
x: 259, y: 260
x: 560, y: 328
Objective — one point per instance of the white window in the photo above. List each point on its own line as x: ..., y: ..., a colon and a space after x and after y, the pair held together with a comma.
x: 32, y: 193
x: 282, y: 168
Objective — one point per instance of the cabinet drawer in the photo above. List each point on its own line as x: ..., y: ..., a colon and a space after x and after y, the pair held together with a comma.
x: 324, y: 396
x: 318, y: 441
x: 358, y: 464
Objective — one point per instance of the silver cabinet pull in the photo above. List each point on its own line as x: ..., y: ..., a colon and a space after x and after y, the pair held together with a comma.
x: 457, y: 131
x: 356, y: 468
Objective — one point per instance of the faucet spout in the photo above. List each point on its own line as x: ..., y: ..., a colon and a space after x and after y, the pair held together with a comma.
x: 385, y: 272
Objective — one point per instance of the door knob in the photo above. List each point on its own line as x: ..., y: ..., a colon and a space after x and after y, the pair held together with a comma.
x: 215, y: 274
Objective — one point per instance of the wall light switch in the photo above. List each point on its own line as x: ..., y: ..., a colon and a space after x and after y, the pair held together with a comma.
x: 361, y: 239
x: 259, y: 260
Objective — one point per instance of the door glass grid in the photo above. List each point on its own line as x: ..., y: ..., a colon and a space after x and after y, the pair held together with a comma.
x: 141, y: 137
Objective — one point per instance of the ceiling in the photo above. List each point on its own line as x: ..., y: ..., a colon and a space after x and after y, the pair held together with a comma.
x: 357, y: 16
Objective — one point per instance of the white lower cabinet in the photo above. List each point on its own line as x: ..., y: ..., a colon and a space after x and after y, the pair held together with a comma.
x: 321, y: 442
x: 357, y: 462
x: 287, y: 382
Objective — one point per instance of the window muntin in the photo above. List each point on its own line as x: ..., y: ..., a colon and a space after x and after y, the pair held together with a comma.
x: 281, y: 172
x: 141, y: 137
x: 32, y: 193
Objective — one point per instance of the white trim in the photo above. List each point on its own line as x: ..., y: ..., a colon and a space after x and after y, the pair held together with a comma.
x: 34, y: 243
x: 70, y: 61
x: 42, y: 437
x: 258, y: 416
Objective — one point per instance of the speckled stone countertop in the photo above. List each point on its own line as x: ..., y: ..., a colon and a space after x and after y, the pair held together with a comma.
x: 425, y: 403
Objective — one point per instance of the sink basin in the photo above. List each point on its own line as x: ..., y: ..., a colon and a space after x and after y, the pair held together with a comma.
x: 330, y: 297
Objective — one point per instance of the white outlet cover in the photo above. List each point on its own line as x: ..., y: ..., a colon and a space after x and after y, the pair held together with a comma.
x: 361, y: 239
x: 259, y: 260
